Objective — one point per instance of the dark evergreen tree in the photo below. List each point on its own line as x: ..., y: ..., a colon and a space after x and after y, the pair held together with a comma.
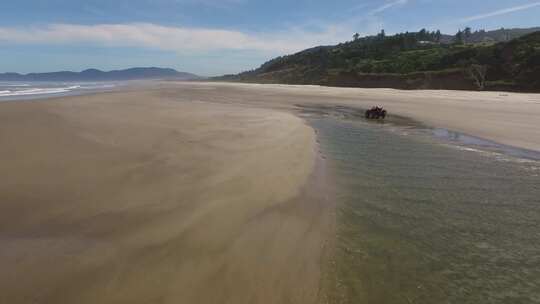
x: 438, y: 36
x: 467, y: 33
x: 459, y: 37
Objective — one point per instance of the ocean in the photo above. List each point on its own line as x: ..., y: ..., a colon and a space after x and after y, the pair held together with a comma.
x: 36, y: 90
x: 427, y: 215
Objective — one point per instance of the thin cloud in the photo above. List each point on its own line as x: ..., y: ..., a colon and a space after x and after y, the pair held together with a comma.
x: 500, y: 12
x: 387, y: 6
x: 193, y: 40
x: 179, y: 39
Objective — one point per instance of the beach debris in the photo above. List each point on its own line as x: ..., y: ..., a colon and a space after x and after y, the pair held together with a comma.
x: 376, y: 112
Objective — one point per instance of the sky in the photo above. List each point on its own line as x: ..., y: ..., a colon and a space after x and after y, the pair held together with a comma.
x: 215, y: 37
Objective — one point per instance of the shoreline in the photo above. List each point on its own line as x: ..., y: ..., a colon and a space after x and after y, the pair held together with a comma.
x: 502, y: 117
x: 446, y: 136
x: 513, y: 149
x: 72, y: 91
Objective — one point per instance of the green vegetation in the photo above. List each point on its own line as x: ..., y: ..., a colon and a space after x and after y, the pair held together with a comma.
x: 411, y: 61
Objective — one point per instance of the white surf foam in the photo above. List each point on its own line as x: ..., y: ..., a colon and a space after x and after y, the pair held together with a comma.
x: 38, y: 91
x: 16, y: 91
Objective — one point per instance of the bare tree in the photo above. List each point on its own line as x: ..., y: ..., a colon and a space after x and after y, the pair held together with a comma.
x: 478, y: 74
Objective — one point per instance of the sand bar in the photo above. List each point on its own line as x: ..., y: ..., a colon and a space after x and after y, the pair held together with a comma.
x: 150, y: 197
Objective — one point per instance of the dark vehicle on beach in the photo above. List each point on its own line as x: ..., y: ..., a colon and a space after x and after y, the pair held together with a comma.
x: 376, y: 113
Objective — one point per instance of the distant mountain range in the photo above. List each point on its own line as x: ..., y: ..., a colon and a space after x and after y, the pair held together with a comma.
x: 97, y: 75
x: 470, y: 60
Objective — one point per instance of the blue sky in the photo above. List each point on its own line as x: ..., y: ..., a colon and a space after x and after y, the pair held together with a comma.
x: 212, y: 37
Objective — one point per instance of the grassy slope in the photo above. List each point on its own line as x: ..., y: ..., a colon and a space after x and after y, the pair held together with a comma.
x: 400, y: 61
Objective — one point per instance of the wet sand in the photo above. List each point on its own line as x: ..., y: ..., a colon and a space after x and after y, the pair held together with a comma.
x: 147, y: 197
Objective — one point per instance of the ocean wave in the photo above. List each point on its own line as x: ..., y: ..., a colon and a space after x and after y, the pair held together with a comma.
x: 37, y: 91
x: 18, y: 90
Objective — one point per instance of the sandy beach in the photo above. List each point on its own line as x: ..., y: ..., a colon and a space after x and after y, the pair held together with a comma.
x: 191, y: 192
x: 503, y: 117
x: 140, y: 197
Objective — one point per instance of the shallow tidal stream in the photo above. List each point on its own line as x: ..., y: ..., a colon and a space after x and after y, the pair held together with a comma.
x: 423, y: 217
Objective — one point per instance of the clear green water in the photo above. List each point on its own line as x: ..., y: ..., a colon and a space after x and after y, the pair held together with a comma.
x: 424, y: 220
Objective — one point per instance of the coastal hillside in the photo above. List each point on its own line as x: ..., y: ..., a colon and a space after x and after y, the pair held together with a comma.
x: 97, y: 75
x: 419, y: 60
x: 479, y: 36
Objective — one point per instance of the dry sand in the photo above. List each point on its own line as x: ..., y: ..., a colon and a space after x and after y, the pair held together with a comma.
x: 191, y: 192
x: 143, y: 197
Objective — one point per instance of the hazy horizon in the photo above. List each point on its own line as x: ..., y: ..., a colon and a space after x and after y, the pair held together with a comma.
x: 217, y: 37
